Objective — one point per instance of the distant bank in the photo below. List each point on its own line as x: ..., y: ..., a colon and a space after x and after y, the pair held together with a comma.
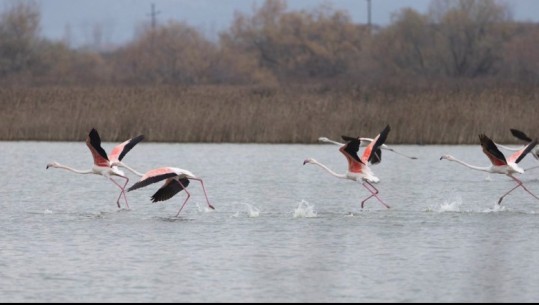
x: 299, y: 114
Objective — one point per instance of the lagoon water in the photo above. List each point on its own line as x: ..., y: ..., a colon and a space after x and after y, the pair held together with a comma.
x: 281, y: 231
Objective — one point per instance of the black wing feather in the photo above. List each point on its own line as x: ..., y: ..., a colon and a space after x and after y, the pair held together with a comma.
x: 352, y: 147
x: 489, y: 146
x: 169, y: 190
x: 134, y: 141
x: 520, y: 135
x: 526, y: 151
x: 151, y: 180
x: 95, y: 141
x: 376, y: 155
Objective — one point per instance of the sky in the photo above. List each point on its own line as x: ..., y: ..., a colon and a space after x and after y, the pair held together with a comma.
x: 119, y: 19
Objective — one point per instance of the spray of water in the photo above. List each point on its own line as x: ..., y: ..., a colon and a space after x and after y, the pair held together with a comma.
x: 447, y: 206
x: 304, y: 210
x: 252, y: 210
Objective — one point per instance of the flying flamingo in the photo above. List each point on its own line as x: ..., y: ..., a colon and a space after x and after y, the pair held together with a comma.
x: 522, y: 136
x: 176, y: 180
x: 365, y: 142
x: 358, y: 170
x: 500, y: 165
x: 104, y: 165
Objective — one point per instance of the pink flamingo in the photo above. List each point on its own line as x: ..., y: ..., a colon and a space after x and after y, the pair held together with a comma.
x: 104, y: 165
x: 500, y: 165
x: 365, y: 142
x: 358, y: 170
x: 176, y: 180
x: 522, y: 136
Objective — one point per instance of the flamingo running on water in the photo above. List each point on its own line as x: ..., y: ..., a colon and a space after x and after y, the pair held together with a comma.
x: 500, y: 165
x: 358, y: 170
x: 104, y: 165
x: 176, y: 180
x: 364, y: 142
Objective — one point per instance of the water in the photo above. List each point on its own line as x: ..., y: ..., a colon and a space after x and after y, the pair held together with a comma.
x: 281, y: 231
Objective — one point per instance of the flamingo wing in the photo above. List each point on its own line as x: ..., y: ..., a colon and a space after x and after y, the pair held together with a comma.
x: 349, y: 150
x: 171, y: 188
x: 351, y: 147
x: 93, y: 141
x: 376, y: 157
x: 520, y: 135
x: 153, y: 176
x: 491, y: 150
x: 119, y: 151
x: 519, y: 155
x: 372, y: 152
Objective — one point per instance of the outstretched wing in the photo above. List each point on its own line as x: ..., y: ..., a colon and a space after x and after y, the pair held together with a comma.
x: 93, y: 141
x: 491, y: 150
x: 119, y: 151
x: 171, y: 188
x: 349, y: 150
x: 520, y: 135
x: 351, y: 147
x: 519, y: 155
x: 376, y: 157
x: 371, y: 153
x: 153, y: 176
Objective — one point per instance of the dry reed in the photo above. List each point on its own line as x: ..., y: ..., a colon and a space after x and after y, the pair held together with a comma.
x: 266, y: 114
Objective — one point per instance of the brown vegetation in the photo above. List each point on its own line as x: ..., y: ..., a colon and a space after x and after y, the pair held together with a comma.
x: 298, y: 114
x: 279, y: 76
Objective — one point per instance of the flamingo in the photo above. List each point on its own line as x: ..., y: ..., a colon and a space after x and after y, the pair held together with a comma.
x: 500, y: 165
x: 358, y: 170
x: 104, y: 165
x: 365, y: 142
x: 177, y: 179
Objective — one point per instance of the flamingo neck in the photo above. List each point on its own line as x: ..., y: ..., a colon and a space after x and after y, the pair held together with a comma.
x: 78, y: 171
x: 478, y: 168
x: 342, y: 176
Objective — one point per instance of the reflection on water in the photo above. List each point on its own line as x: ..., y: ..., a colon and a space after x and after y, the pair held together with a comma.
x: 281, y: 231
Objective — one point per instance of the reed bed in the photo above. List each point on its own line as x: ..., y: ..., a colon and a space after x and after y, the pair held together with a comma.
x: 297, y: 114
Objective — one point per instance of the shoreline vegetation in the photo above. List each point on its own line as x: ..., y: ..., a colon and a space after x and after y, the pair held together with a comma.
x: 300, y: 114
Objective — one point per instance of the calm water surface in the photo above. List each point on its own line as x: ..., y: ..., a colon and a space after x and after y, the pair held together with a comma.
x: 281, y: 231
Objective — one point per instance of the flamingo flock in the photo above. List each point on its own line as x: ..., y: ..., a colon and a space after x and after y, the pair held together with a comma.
x: 359, y: 168
x: 107, y: 166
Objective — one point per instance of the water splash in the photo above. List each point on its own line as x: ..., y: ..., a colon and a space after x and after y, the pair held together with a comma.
x: 252, y: 210
x: 447, y: 206
x: 204, y: 208
x: 304, y: 210
x: 496, y: 208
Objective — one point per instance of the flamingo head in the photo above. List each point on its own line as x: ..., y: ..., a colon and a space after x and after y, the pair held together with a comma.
x: 309, y: 161
x: 53, y: 164
x: 323, y: 139
x: 447, y: 157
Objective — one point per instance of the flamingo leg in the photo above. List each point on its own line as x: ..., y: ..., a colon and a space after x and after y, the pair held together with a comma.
x: 374, y: 191
x: 372, y: 195
x: 122, y: 192
x: 205, y: 194
x: 188, y: 196
x: 519, y: 183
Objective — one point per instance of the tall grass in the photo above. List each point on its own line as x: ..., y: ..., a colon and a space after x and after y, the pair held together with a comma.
x: 298, y: 114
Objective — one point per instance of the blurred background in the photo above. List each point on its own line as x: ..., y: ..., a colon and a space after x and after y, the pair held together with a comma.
x: 477, y: 55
